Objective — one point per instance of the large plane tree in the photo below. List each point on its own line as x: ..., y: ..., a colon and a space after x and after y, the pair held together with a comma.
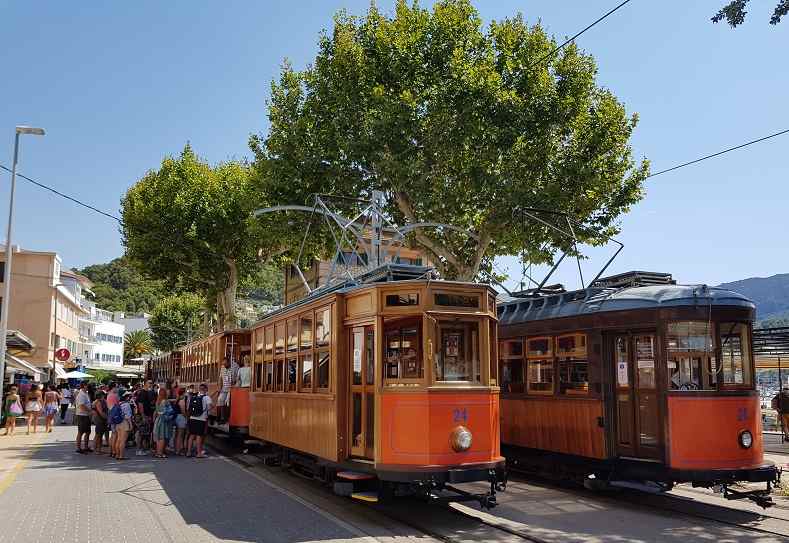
x: 456, y: 123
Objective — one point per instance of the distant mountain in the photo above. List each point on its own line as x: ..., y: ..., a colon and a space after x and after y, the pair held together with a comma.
x: 770, y: 294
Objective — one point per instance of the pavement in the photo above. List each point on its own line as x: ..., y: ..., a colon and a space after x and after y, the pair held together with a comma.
x: 48, y: 493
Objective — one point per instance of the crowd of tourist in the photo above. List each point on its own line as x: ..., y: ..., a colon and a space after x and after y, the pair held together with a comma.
x: 157, y: 419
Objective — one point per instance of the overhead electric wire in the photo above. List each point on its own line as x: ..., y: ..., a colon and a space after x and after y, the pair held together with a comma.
x: 570, y: 40
x: 66, y: 196
x: 678, y: 166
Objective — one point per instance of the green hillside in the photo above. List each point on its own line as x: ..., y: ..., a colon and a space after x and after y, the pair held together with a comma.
x: 770, y: 294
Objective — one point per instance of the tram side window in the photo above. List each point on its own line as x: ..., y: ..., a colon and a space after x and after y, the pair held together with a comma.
x: 323, y: 327
x: 268, y: 383
x: 293, y: 335
x: 306, y: 372
x: 457, y: 356
x: 323, y: 371
x: 735, y: 354
x: 573, y: 365
x: 258, y: 375
x: 291, y: 373
x: 511, y: 352
x: 690, y: 360
x: 539, y: 365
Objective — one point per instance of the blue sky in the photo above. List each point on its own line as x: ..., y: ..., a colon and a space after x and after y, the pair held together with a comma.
x: 120, y: 85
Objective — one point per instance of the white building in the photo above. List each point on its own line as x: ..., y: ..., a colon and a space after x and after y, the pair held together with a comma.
x: 132, y: 322
x: 101, y: 339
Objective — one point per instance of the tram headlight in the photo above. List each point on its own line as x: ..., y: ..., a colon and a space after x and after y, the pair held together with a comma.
x: 460, y: 438
x: 746, y: 439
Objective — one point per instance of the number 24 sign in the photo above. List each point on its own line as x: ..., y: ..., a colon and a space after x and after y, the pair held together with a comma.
x: 459, y: 414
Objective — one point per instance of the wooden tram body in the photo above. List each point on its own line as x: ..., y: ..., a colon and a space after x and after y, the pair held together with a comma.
x: 383, y: 378
x: 633, y: 381
x: 200, y: 362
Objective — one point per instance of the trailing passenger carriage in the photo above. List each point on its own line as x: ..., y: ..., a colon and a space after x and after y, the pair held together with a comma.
x: 383, y: 386
x: 200, y: 362
x: 635, y: 381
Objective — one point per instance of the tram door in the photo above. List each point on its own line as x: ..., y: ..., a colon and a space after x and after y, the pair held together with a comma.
x: 362, y: 405
x: 637, y: 406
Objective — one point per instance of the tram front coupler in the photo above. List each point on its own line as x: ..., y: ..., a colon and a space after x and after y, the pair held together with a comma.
x: 761, y: 498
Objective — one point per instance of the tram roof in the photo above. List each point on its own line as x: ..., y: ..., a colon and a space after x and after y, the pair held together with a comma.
x: 386, y: 273
x: 599, y: 299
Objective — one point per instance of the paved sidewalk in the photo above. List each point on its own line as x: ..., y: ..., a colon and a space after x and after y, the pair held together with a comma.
x: 48, y: 493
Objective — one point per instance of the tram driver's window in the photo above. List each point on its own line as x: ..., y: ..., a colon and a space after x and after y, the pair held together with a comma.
x: 457, y: 355
x: 690, y: 359
x: 402, y: 352
x: 735, y: 354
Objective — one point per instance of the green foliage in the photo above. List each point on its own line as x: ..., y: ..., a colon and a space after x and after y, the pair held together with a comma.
x: 455, y: 124
x: 190, y: 225
x: 101, y: 376
x: 136, y: 344
x: 118, y: 286
x: 176, y: 320
x: 734, y: 12
x: 265, y: 285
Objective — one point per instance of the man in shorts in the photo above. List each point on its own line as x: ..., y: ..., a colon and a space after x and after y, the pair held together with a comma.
x: 198, y: 409
x: 83, y: 411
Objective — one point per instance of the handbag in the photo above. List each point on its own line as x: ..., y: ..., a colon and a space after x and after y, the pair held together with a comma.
x: 16, y: 408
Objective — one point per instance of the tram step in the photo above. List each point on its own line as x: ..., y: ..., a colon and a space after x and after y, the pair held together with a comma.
x: 371, y: 496
x: 355, y: 476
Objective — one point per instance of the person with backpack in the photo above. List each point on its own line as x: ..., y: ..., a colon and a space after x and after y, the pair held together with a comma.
x: 12, y: 409
x: 163, y: 427
x: 199, y: 406
x: 120, y: 418
x: 180, y: 423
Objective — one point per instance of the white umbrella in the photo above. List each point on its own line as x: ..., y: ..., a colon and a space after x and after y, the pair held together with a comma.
x: 77, y: 375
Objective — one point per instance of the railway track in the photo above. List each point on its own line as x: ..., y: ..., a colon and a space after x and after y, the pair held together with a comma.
x: 758, y: 522
x: 457, y: 522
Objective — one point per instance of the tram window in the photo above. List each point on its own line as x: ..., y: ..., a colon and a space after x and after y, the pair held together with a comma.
x: 456, y: 300
x: 269, y: 343
x: 538, y: 346
x: 404, y: 299
x: 493, y: 341
x: 457, y: 358
x: 540, y: 376
x: 735, y: 354
x: 689, y: 336
x: 269, y: 370
x: 645, y: 361
x: 293, y: 335
x: 258, y: 376
x: 291, y: 371
x: 323, y: 326
x: 305, y: 341
x: 279, y: 344
x: 573, y: 376
x: 685, y: 372
x: 369, y: 347
x: 306, y: 372
x: 512, y: 375
x: 571, y: 345
x: 402, y: 351
x: 511, y: 365
x: 324, y: 370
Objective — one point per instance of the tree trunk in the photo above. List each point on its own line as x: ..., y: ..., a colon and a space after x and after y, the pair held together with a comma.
x: 227, y: 298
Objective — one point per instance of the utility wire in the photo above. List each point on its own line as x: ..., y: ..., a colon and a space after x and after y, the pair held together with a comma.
x: 560, y: 47
x: 678, y: 166
x: 66, y: 196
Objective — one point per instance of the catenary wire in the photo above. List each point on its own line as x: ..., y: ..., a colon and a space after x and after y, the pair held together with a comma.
x: 678, y: 166
x: 570, y: 40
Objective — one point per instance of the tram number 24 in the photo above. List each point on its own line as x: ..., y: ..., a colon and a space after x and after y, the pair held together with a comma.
x: 459, y: 414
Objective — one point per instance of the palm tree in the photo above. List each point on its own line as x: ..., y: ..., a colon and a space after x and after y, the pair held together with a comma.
x: 137, y: 344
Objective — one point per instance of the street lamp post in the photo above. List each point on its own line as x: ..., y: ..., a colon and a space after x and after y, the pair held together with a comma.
x: 9, y: 253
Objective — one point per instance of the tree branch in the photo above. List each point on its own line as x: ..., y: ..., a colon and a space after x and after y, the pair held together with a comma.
x: 404, y: 204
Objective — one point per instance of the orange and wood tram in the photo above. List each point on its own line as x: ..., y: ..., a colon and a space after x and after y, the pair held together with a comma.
x: 635, y: 382
x: 384, y: 387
